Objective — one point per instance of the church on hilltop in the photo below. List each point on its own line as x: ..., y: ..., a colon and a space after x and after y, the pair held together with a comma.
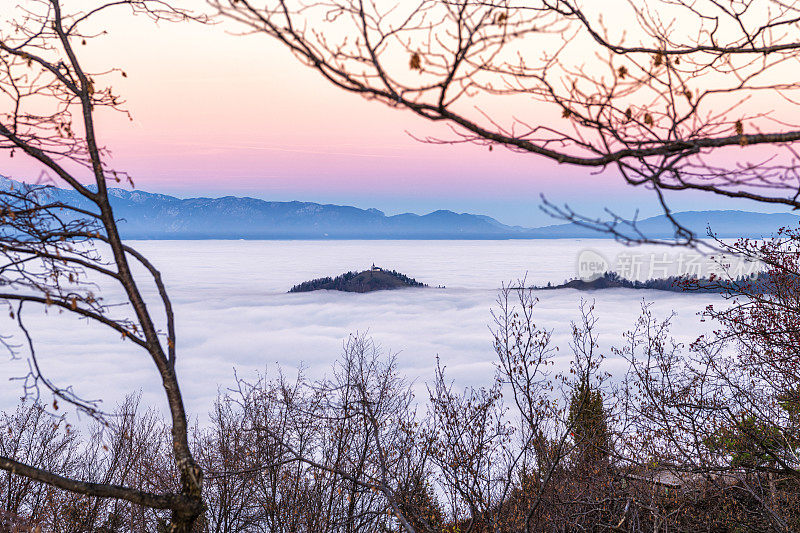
x: 376, y: 269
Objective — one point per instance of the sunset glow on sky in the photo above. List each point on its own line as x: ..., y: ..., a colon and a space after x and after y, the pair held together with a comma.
x: 219, y: 114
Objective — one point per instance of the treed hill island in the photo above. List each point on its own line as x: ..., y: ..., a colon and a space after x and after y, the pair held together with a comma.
x: 373, y: 279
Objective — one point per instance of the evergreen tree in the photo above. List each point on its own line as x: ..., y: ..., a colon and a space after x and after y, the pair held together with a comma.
x: 587, y: 416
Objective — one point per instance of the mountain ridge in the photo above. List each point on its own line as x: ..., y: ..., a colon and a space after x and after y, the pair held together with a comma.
x: 147, y: 215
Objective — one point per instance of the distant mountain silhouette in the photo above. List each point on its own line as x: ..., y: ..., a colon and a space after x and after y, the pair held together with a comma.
x: 726, y: 224
x: 145, y: 215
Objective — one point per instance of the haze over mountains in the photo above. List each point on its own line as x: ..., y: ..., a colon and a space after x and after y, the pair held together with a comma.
x: 147, y: 215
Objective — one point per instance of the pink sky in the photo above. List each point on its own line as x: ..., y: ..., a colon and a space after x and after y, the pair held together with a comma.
x: 218, y: 114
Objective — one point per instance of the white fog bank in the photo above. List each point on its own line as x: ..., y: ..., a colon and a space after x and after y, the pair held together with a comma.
x: 232, y: 311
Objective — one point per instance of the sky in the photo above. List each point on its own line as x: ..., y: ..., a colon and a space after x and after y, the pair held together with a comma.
x: 218, y: 114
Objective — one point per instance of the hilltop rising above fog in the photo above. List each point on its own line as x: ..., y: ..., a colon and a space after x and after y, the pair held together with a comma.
x: 375, y: 279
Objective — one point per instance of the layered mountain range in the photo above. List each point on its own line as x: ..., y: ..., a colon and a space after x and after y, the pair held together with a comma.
x: 145, y: 215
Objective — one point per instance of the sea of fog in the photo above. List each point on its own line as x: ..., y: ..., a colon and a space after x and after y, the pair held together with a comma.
x: 233, y: 313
